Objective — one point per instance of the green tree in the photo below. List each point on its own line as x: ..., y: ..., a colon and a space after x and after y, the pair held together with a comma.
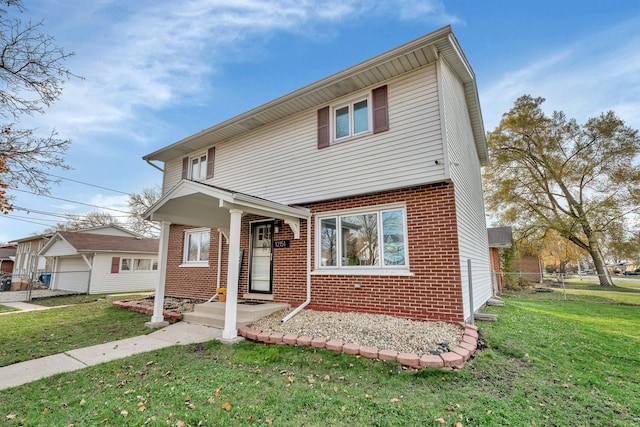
x: 31, y: 78
x: 550, y: 173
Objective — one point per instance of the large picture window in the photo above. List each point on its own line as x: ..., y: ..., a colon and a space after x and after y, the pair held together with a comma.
x: 196, y: 246
x: 369, y: 238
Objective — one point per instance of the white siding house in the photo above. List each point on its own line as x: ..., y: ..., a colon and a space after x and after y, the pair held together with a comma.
x: 98, y: 263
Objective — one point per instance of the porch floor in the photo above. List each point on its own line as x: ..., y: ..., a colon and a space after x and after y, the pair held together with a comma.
x: 212, y: 313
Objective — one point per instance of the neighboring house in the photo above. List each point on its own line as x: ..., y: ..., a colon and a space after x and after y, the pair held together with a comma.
x: 360, y: 192
x: 7, y: 258
x: 499, y: 238
x: 28, y: 264
x: 529, y: 266
x: 97, y: 263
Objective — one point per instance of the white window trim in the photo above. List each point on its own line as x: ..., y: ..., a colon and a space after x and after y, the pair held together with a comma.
x: 198, y: 156
x: 350, y: 103
x: 133, y: 270
x: 185, y: 251
x: 392, y: 270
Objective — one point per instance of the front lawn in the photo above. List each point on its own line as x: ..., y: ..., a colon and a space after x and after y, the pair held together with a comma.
x: 34, y: 334
x: 547, y: 362
x: 6, y: 309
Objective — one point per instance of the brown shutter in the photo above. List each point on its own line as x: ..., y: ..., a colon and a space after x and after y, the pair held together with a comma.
x: 211, y: 157
x: 185, y: 168
x: 115, y: 264
x: 380, y: 110
x: 323, y: 127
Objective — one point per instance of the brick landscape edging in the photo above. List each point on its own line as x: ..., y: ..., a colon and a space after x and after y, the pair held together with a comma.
x: 170, y: 316
x: 454, y: 359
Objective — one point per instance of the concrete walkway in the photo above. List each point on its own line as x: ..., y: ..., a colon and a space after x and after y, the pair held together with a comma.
x: 24, y: 306
x: 180, y: 333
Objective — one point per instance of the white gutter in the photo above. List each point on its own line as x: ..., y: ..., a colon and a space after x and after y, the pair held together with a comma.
x: 308, y: 300
x: 155, y: 166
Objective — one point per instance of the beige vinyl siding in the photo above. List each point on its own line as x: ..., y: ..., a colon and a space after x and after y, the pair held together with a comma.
x: 61, y: 248
x: 465, y: 174
x: 105, y: 282
x: 282, y: 163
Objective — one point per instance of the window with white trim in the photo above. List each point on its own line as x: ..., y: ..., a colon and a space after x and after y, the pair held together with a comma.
x: 365, y: 238
x: 138, y: 264
x: 351, y: 119
x: 198, y: 167
x: 196, y: 246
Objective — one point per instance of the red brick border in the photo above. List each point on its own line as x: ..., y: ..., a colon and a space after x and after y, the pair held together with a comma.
x: 454, y: 359
x: 170, y: 316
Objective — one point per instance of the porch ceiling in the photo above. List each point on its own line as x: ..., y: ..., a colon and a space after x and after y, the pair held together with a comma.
x: 197, y: 204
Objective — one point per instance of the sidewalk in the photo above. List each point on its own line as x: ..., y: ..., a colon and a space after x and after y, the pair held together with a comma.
x: 181, y: 333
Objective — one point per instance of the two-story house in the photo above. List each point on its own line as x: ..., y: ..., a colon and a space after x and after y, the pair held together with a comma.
x: 360, y: 192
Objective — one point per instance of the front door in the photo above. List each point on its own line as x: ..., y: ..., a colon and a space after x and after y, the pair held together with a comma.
x: 261, y: 262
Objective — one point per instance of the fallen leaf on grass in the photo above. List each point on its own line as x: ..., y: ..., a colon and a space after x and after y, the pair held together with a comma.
x: 82, y: 402
x: 219, y: 391
x: 226, y: 406
x: 180, y: 423
x: 290, y: 381
x: 211, y: 400
x: 327, y: 378
x: 394, y: 400
x: 458, y: 424
x: 124, y: 412
x: 268, y: 420
x: 440, y: 421
x: 11, y: 416
x: 141, y: 408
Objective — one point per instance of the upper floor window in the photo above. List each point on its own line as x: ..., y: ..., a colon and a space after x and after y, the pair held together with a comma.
x: 199, y: 167
x: 367, y: 114
x: 351, y: 119
x: 364, y: 238
x: 196, y: 246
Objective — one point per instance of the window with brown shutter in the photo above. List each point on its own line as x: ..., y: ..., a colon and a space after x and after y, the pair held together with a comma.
x: 115, y: 264
x: 324, y: 138
x: 380, y: 110
x: 211, y: 156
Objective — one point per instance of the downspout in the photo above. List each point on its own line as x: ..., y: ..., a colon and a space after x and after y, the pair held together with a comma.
x: 308, y: 300
x: 218, y: 275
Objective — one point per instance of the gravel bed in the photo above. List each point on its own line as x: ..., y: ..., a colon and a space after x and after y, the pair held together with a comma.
x: 375, y: 330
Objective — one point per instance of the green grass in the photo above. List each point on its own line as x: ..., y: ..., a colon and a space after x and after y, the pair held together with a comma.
x: 58, y: 301
x: 624, y: 284
x: 547, y: 362
x: 5, y: 309
x: 34, y: 334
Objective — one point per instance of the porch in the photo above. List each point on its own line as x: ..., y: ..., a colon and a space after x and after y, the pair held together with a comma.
x: 248, y: 312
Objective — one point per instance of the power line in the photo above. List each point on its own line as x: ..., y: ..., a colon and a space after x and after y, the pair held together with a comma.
x: 86, y: 183
x: 25, y: 220
x: 69, y: 201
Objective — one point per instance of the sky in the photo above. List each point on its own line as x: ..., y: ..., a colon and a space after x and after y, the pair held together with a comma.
x: 154, y: 72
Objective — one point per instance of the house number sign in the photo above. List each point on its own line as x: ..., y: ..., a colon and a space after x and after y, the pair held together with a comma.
x: 281, y: 244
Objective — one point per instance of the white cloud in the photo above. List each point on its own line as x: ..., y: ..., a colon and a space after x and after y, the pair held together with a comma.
x: 158, y: 56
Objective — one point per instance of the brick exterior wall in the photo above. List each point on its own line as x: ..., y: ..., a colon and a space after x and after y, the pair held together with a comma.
x: 496, y: 272
x: 434, y: 292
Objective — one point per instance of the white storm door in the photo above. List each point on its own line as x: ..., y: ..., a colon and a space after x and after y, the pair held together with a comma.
x: 260, y: 270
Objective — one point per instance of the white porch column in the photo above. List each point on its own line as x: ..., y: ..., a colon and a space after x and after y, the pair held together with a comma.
x: 230, y: 330
x: 157, y: 320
